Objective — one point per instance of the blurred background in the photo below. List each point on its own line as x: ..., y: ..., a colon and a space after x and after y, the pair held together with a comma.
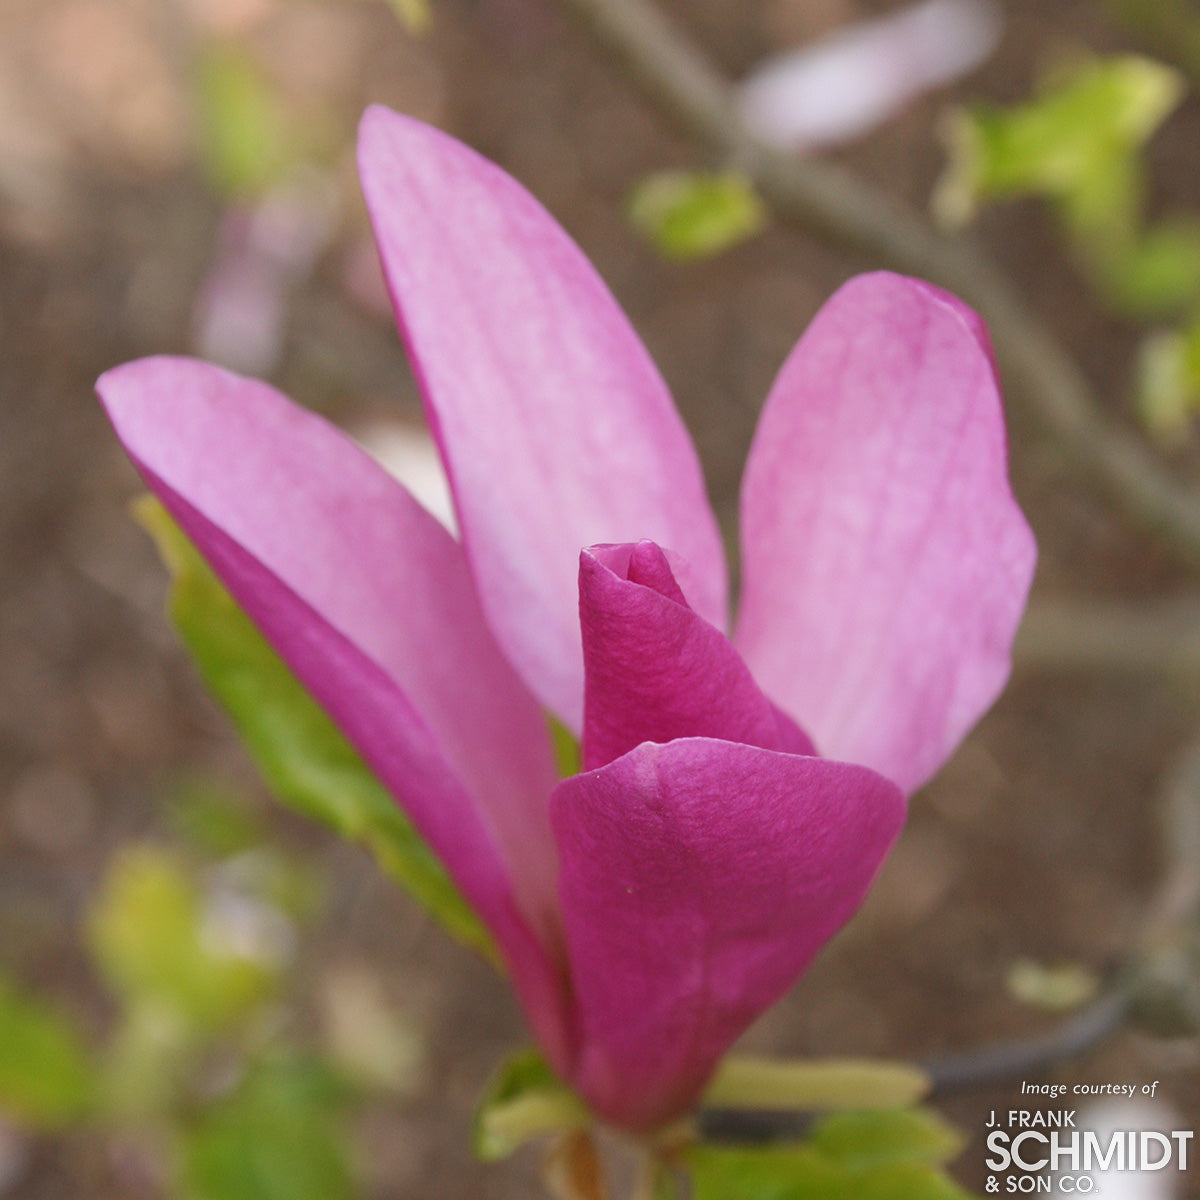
x: 264, y: 1013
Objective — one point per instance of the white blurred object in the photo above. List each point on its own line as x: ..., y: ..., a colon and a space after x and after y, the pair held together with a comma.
x: 1106, y: 1118
x: 843, y: 85
x: 247, y: 927
x: 408, y: 453
x: 239, y: 920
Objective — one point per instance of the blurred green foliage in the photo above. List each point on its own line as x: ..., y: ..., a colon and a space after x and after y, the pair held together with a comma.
x: 47, y: 1078
x: 687, y: 215
x: 817, y: 1085
x: 1080, y: 145
x: 246, y: 142
x: 884, y: 1155
x: 272, y: 1138
x: 1078, y: 142
x: 1058, y: 988
x: 880, y: 1154
x: 213, y: 820
x: 303, y: 757
x: 1169, y: 378
x: 862, y: 1141
x: 157, y: 946
x: 196, y: 947
x: 250, y: 135
x: 524, y: 1100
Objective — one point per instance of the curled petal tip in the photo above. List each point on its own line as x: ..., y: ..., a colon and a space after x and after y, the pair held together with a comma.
x: 654, y: 669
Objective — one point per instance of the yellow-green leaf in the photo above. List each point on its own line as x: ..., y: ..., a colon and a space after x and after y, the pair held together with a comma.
x: 880, y: 1155
x: 243, y: 130
x: 279, y: 1136
x: 523, y: 1102
x: 302, y: 755
x: 153, y: 939
x: 1076, y: 143
x: 1057, y: 988
x: 803, y: 1173
x: 1169, y: 382
x: 863, y: 1141
x: 46, y: 1076
x: 820, y: 1085
x: 687, y: 215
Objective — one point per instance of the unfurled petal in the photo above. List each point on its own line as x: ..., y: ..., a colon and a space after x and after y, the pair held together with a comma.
x: 369, y: 601
x: 698, y: 880
x: 885, y: 561
x: 556, y: 429
x: 654, y: 670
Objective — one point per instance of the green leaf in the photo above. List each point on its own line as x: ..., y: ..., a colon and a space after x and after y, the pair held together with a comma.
x: 691, y: 215
x: 1059, y: 988
x: 46, y: 1077
x: 1169, y: 382
x: 820, y: 1084
x: 152, y: 938
x: 302, y: 755
x: 214, y: 820
x: 862, y: 1141
x: 524, y: 1101
x: 148, y: 1062
x: 1156, y: 275
x: 805, y: 1173
x: 278, y: 1137
x: 243, y: 131
x: 1077, y: 143
x: 881, y: 1154
x: 770, y: 1173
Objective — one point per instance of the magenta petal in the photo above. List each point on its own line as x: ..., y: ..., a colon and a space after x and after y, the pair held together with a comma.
x: 555, y: 427
x: 885, y: 562
x: 698, y: 880
x: 370, y: 602
x: 654, y: 670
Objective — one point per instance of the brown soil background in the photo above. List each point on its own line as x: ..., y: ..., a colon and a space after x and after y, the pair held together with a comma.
x: 1038, y: 840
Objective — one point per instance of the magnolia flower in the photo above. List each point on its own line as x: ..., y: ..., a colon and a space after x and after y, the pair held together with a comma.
x: 737, y: 794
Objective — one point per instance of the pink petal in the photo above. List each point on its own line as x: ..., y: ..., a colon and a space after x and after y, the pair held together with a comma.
x: 556, y: 429
x: 698, y: 880
x: 655, y: 671
x: 370, y: 602
x: 886, y: 563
